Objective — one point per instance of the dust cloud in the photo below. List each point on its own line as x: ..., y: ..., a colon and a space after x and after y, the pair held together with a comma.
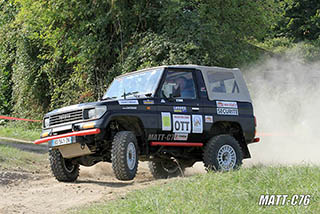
x: 101, y: 169
x: 286, y: 98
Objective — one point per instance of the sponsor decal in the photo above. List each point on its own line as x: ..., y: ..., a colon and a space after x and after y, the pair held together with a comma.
x: 197, y: 124
x: 181, y: 123
x: 179, y: 100
x: 227, y: 108
x: 148, y: 102
x: 179, y: 109
x: 129, y: 107
x: 179, y: 136
x: 128, y: 102
x: 166, y: 121
x: 208, y: 119
x: 227, y: 111
x: 224, y: 104
x: 161, y: 137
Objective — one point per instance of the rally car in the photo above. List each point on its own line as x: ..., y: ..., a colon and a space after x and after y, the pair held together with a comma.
x: 171, y: 116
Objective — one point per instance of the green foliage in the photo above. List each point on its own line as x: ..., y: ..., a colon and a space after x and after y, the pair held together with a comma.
x: 301, y: 20
x: 12, y: 159
x: 232, y: 192
x: 56, y: 53
x: 199, y: 32
x: 7, y: 55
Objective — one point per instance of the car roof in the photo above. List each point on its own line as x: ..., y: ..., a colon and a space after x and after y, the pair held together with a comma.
x: 190, y: 66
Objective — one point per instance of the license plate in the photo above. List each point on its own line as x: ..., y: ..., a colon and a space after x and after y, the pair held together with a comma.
x: 62, y: 141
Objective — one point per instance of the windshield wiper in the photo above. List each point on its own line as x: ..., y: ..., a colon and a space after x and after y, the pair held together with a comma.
x: 129, y: 93
x: 108, y: 98
x: 144, y: 94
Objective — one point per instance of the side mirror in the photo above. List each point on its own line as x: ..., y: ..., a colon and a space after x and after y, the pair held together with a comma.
x: 167, y: 90
x: 170, y: 92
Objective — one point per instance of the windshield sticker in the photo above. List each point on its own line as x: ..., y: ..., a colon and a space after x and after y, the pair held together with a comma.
x: 227, y: 111
x: 129, y: 107
x: 208, y: 119
x: 223, y: 104
x: 166, y: 121
x: 197, y: 124
x: 181, y: 123
x: 180, y: 136
x: 179, y: 100
x: 128, y: 102
x: 179, y: 109
x: 148, y: 102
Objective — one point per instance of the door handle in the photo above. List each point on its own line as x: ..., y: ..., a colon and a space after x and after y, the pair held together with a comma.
x: 195, y: 109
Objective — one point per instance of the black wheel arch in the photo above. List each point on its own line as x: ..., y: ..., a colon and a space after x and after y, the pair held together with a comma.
x: 131, y: 123
x: 234, y: 129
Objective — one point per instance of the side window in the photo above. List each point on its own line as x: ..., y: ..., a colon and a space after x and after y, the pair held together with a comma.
x: 222, y: 82
x: 178, y: 84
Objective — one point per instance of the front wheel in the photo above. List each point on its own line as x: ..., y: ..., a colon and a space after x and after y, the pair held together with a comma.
x: 63, y: 169
x: 124, y: 155
x: 222, y: 153
x: 165, y: 168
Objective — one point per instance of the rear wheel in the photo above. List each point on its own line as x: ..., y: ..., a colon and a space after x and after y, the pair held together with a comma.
x: 62, y: 169
x: 222, y: 153
x: 165, y: 168
x: 124, y: 155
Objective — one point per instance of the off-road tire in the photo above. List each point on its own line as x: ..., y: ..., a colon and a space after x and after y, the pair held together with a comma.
x: 158, y: 170
x: 222, y: 147
x: 125, y: 169
x: 62, y: 169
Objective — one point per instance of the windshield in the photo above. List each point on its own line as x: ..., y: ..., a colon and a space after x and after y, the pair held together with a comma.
x: 142, y: 83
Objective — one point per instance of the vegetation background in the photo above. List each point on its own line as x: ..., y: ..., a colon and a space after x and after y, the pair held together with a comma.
x: 56, y: 53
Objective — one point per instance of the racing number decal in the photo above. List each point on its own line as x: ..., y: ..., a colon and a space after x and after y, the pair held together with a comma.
x: 181, y: 123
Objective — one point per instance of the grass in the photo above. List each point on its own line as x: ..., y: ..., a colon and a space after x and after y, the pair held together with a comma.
x: 15, y: 159
x: 20, y: 130
x: 232, y: 192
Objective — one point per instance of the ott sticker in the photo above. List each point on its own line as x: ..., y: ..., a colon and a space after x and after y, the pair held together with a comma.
x: 181, y: 123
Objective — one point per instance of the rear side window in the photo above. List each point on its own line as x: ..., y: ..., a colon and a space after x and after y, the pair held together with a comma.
x: 222, y: 82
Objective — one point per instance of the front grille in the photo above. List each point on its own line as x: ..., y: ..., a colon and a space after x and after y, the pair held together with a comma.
x: 66, y: 117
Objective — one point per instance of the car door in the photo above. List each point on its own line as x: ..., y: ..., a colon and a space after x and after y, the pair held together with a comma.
x: 179, y: 109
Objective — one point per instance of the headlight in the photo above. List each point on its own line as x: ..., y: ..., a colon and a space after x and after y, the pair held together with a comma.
x: 96, y: 112
x: 46, y: 122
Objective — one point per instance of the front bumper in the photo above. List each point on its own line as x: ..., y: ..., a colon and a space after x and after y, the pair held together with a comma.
x: 75, y: 133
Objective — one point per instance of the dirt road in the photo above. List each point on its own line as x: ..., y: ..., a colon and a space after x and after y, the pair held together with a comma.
x: 39, y: 192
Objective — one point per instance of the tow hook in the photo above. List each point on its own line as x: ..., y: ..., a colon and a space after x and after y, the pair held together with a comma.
x: 82, y: 146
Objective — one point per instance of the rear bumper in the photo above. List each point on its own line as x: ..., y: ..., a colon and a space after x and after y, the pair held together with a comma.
x: 77, y: 133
